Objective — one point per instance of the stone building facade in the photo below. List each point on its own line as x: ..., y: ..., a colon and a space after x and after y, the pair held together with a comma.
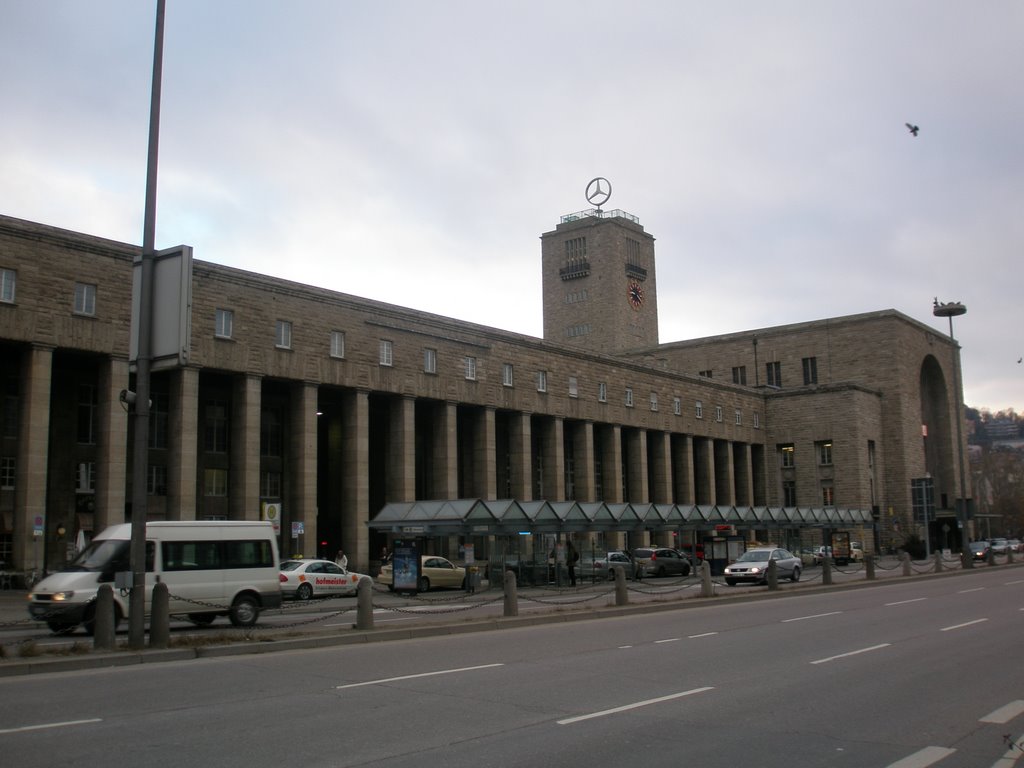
x: 324, y: 406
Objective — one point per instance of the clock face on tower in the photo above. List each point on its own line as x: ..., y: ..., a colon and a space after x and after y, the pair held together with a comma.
x: 635, y: 294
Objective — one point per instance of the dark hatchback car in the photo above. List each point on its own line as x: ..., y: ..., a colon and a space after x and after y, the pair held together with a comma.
x: 979, y: 550
x: 661, y: 561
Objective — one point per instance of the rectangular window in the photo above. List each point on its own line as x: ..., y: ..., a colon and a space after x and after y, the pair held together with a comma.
x: 87, y: 406
x: 386, y: 353
x: 788, y: 456
x: 654, y: 401
x: 698, y: 409
x: 270, y: 485
x: 718, y: 413
x: 810, y: 370
x: 828, y: 495
x: 705, y: 374
x: 542, y: 381
x: 85, y: 477
x: 7, y: 465
x: 215, y: 482
x: 85, y: 299
x: 629, y: 397
x: 677, y: 406
x: 429, y: 360
x: 470, y: 367
x: 789, y: 493
x: 215, y: 428
x: 158, y: 420
x: 574, y: 387
x: 773, y: 374
x: 739, y: 417
x: 271, y: 432
x: 156, y: 480
x: 757, y: 420
x: 602, y: 392
x: 338, y: 344
x: 739, y: 375
x: 8, y: 281
x: 223, y: 323
x: 506, y: 375
x: 825, y: 453
x: 283, y: 335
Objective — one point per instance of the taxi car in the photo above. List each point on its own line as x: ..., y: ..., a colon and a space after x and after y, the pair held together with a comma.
x: 436, y: 572
x: 305, y: 579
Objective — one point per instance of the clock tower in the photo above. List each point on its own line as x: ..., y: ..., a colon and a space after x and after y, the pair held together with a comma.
x: 598, y: 279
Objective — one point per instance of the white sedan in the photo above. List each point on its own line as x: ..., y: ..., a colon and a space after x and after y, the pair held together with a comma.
x: 305, y: 579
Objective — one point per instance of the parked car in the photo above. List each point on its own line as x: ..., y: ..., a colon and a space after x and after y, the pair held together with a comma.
x: 306, y: 579
x: 979, y: 550
x: 818, y: 555
x: 662, y: 561
x: 752, y: 566
x: 856, y: 551
x: 600, y: 565
x: 999, y: 546
x: 435, y: 573
x: 1016, y: 545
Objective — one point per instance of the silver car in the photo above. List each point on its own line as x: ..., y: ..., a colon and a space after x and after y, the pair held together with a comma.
x: 752, y: 566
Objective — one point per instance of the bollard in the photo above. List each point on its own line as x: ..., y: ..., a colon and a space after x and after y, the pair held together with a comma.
x: 103, y: 620
x: 160, y: 618
x: 364, y: 604
x: 621, y: 593
x: 869, y: 567
x: 826, y: 570
x: 773, y: 575
x: 905, y: 557
x: 1009, y: 555
x: 511, y: 597
x: 938, y: 562
x: 707, y: 588
x: 991, y: 558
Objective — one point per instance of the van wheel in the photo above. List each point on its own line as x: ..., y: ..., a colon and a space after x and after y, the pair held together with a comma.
x: 304, y: 592
x: 424, y: 584
x: 89, y: 623
x: 60, y: 627
x: 244, y: 611
x: 202, y: 619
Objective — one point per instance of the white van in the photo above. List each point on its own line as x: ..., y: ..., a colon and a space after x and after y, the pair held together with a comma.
x: 211, y: 568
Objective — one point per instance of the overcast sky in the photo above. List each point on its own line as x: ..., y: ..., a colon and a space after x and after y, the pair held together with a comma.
x: 414, y: 152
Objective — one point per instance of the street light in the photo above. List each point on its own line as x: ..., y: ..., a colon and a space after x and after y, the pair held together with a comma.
x: 955, y: 309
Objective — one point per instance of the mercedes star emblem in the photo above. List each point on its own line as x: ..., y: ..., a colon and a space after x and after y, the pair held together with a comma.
x: 598, y: 191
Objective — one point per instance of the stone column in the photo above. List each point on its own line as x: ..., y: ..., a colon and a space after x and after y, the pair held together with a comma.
x: 520, y: 450
x: 401, y: 469
x: 583, y: 448
x: 244, y: 473
x: 302, y: 465
x: 355, y: 484
x: 744, y: 474
x: 183, y: 444
x: 682, y: 464
x: 660, y: 458
x: 554, y: 460
x: 704, y: 471
x: 725, y: 477
x: 31, y: 466
x: 636, y: 465
x: 112, y: 445
x: 446, y: 452
x: 612, y: 450
x: 485, y: 481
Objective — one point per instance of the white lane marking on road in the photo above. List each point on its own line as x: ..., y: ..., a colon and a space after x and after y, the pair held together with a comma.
x: 904, y: 602
x: 625, y: 646
x: 852, y: 653
x: 670, y: 640
x: 1004, y: 714
x: 812, y: 616
x: 421, y: 674
x: 1012, y: 755
x: 44, y: 726
x: 635, y: 705
x: 961, y: 626
x: 965, y: 591
x: 923, y: 758
x: 712, y: 634
x: 1015, y: 581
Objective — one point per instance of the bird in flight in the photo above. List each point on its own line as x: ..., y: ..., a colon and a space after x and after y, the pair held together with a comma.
x: 912, y: 128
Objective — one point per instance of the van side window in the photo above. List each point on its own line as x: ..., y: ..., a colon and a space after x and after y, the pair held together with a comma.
x: 150, y: 555
x: 248, y: 554
x: 191, y: 555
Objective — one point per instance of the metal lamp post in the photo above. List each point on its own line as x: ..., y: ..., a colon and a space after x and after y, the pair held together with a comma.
x: 950, y: 310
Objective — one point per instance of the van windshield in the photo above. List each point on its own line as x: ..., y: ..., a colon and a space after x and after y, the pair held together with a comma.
x: 105, y: 555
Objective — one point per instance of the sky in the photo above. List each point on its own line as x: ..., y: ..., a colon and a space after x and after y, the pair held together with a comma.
x: 415, y: 152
